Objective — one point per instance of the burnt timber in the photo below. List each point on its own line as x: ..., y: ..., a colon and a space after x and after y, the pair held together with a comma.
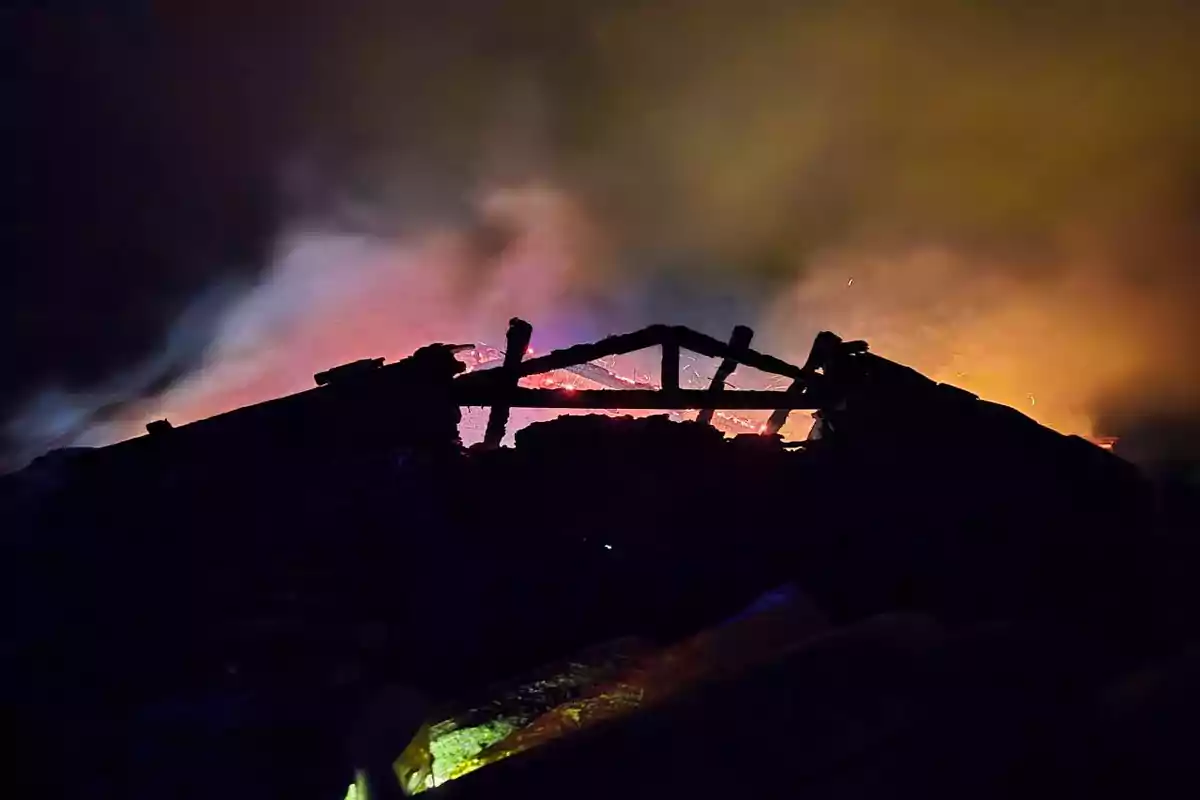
x: 307, y: 551
x: 432, y: 379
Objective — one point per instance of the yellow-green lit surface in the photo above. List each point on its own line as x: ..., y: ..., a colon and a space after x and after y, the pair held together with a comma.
x: 590, y: 691
x: 461, y: 751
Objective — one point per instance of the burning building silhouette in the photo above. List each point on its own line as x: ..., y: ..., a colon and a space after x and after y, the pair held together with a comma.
x: 242, y: 587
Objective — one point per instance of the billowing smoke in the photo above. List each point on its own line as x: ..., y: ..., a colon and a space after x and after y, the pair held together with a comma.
x: 1000, y: 195
x: 333, y: 297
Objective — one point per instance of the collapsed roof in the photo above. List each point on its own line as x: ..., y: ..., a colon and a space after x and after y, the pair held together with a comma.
x: 324, y: 544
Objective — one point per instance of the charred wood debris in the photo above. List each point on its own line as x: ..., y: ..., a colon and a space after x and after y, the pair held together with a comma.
x: 295, y: 556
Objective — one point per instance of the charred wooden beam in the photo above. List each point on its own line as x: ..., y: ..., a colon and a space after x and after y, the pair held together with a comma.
x: 654, y: 336
x: 826, y: 347
x: 348, y: 372
x: 609, y: 346
x: 739, y: 340
x: 794, y: 394
x: 629, y: 399
x: 669, y: 374
x: 706, y: 345
x: 519, y: 334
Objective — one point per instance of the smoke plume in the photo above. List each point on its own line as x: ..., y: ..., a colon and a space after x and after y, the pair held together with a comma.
x: 1001, y: 196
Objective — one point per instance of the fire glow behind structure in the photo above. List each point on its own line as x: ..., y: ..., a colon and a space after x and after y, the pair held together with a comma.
x: 614, y: 373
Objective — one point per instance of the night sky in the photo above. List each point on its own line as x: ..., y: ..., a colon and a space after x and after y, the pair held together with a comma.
x: 207, y: 202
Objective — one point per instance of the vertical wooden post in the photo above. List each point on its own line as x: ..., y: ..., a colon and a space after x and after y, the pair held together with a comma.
x: 670, y: 364
x: 519, y: 334
x: 738, y: 340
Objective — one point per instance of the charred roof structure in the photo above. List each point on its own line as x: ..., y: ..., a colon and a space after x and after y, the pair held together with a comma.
x: 205, y: 610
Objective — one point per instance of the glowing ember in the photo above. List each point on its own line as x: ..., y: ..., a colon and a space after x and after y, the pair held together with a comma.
x: 607, y: 373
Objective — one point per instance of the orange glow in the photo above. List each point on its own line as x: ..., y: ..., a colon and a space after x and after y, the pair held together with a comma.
x: 1048, y: 347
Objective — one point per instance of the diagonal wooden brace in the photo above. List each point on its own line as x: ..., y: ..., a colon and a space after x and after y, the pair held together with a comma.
x: 738, y: 340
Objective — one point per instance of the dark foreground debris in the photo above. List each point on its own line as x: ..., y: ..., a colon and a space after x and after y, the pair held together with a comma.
x: 991, y: 608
